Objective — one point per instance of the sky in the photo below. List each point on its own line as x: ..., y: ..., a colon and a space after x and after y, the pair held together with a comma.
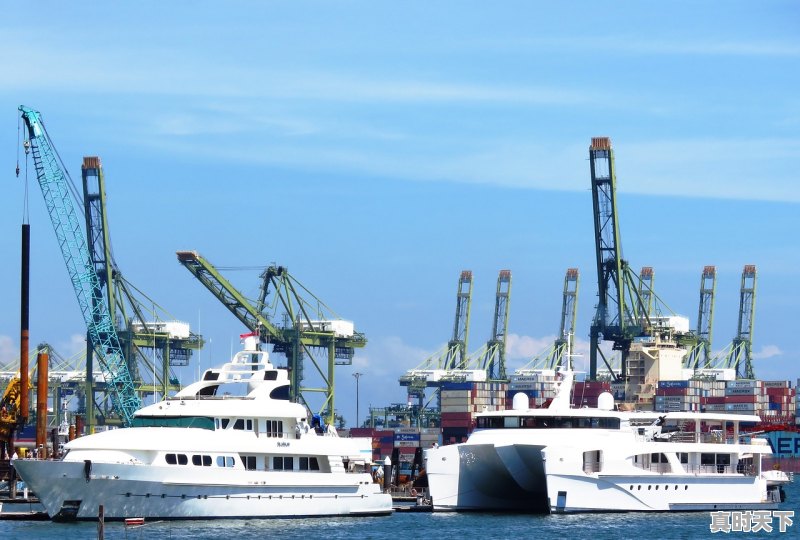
x: 377, y: 149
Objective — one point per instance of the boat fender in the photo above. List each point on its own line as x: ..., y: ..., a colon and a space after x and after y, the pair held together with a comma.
x: 87, y: 469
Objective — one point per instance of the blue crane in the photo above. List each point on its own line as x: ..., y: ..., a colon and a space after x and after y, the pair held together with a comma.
x: 72, y: 241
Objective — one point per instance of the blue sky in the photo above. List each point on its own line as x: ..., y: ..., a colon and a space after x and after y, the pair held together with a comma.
x: 377, y: 149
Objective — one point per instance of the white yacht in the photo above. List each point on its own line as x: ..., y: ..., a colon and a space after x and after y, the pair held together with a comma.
x: 563, y: 460
x: 212, y: 452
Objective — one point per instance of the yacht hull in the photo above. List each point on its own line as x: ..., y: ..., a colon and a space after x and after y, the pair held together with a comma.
x: 649, y: 493
x: 76, y: 490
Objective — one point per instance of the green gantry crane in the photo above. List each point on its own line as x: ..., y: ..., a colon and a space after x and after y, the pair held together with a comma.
x: 701, y: 353
x: 171, y: 340
x: 494, y: 359
x: 457, y: 348
x: 555, y: 356
x: 740, y: 356
x: 305, y: 325
x: 450, y: 363
x: 622, y: 312
x: 621, y: 315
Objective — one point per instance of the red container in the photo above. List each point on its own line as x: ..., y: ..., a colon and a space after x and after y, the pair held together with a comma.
x: 741, y: 399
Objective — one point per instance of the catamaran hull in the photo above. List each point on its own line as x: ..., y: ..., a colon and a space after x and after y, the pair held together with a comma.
x: 76, y: 490
x: 486, y: 477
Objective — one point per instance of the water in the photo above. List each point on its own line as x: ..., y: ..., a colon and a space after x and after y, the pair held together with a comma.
x: 423, y: 526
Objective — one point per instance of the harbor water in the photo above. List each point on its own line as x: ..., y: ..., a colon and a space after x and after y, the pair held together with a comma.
x: 416, y: 525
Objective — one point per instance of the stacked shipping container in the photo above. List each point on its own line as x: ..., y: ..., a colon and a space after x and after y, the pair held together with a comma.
x: 459, y: 403
x: 765, y: 398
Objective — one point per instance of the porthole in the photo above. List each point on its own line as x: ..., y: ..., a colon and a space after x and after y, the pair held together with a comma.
x: 639, y: 488
x: 685, y: 488
x: 631, y: 488
x: 649, y: 488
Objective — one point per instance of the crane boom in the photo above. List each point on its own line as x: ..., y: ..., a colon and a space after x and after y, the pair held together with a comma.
x: 298, y: 336
x: 74, y: 249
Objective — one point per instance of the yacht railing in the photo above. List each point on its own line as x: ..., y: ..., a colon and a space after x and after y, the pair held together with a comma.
x: 665, y: 468
x: 683, y: 437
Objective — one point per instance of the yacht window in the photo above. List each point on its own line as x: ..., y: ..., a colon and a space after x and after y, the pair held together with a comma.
x: 225, y: 422
x: 283, y: 463
x: 183, y: 459
x: 547, y: 422
x: 201, y: 460
x: 281, y: 392
x: 308, y: 464
x: 249, y: 462
x: 658, y: 458
x: 271, y: 375
x: 225, y: 461
x: 707, y: 459
x: 239, y: 424
x: 171, y: 459
x: 248, y: 425
x: 490, y: 422
x: 173, y: 421
x: 274, y: 428
x: 684, y: 457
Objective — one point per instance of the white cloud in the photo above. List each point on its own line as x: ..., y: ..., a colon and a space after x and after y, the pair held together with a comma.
x: 767, y: 351
x: 526, y: 347
x: 389, y: 357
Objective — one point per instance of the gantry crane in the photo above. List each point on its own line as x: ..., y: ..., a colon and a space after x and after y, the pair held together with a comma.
x: 450, y: 363
x: 739, y: 355
x: 458, y: 346
x: 569, y: 313
x: 555, y: 356
x: 173, y: 341
x: 701, y: 353
x: 495, y: 357
x: 492, y: 356
x: 622, y: 313
x: 305, y: 326
x: 101, y: 332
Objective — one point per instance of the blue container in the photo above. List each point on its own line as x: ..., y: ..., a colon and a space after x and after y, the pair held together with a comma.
x: 457, y: 386
x: 673, y: 384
